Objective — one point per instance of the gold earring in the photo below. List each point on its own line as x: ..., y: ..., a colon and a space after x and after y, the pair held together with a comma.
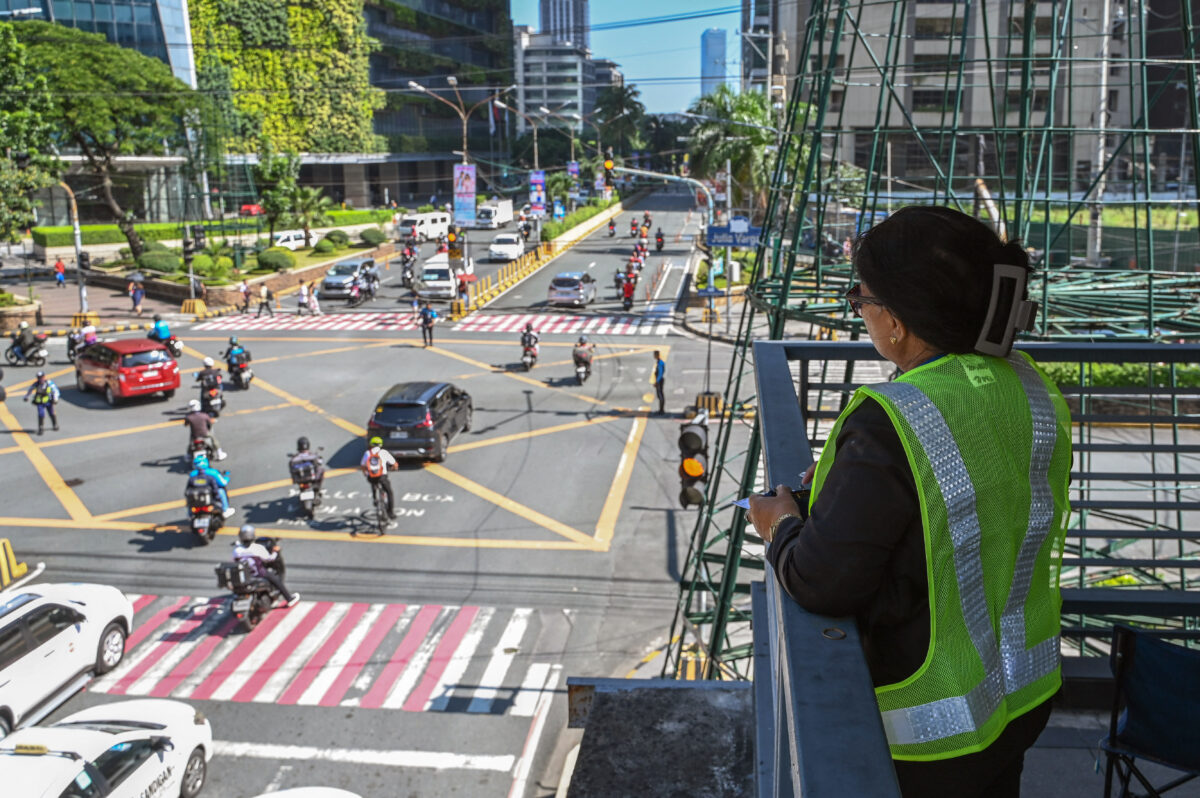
x: 892, y: 339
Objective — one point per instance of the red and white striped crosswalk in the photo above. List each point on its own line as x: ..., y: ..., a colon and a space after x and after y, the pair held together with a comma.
x: 545, y: 323
x: 416, y: 658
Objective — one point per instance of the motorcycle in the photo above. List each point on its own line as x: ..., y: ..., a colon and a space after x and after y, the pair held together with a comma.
x: 304, y: 477
x: 627, y: 303
x: 204, y: 509
x: 618, y: 280
x: 633, y: 229
x: 201, y: 446
x: 172, y: 343
x: 36, y: 357
x: 76, y: 344
x: 240, y: 371
x: 529, y: 357
x: 658, y: 243
x: 253, y: 596
x: 212, y: 401
x: 612, y: 228
x: 583, y: 370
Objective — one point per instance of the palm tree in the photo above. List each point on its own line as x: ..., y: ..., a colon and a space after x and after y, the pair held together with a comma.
x: 719, y: 138
x: 623, y: 110
x: 311, y: 209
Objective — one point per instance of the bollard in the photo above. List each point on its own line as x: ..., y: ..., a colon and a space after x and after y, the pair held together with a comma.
x: 84, y: 319
x: 195, y: 306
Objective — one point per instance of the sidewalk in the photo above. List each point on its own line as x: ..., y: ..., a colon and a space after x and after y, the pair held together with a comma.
x: 58, y: 304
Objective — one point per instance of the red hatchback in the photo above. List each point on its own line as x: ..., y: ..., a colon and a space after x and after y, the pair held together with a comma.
x: 125, y: 368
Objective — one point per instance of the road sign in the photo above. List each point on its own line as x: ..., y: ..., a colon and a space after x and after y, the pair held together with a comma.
x: 710, y: 291
x: 729, y: 236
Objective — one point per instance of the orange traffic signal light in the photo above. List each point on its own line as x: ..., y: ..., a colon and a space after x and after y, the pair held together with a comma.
x: 608, y: 164
x: 452, y: 236
x: 693, y: 460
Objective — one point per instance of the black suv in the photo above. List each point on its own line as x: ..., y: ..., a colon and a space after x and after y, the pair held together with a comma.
x: 418, y: 419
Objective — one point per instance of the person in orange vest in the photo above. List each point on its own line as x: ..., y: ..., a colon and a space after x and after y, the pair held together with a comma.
x: 375, y: 464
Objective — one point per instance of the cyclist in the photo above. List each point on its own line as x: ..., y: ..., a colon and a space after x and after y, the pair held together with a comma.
x: 376, y: 462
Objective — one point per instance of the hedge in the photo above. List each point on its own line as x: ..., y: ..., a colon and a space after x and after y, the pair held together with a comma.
x: 1116, y: 375
x: 323, y: 247
x: 340, y: 238
x: 552, y: 230
x: 372, y: 237
x: 7, y: 300
x: 160, y: 261
x: 93, y: 234
x: 276, y: 258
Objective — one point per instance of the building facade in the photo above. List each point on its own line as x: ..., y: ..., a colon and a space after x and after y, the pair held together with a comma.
x: 566, y: 20
x: 608, y: 73
x: 712, y: 60
x: 549, y: 72
x: 157, y: 28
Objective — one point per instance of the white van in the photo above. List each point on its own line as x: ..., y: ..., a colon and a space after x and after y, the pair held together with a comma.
x: 437, y: 280
x: 428, y: 226
x: 291, y: 239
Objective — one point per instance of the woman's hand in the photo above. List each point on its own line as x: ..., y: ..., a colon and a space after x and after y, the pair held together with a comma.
x: 764, y: 510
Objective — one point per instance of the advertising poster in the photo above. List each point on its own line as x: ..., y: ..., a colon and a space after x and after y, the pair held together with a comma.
x: 464, y: 194
x: 537, y: 193
x: 573, y: 169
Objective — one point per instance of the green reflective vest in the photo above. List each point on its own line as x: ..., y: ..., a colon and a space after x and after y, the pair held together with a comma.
x: 988, y: 441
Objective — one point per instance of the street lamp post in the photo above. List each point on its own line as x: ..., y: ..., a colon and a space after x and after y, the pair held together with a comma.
x: 83, y: 304
x: 532, y: 124
x: 548, y: 112
x: 584, y: 119
x: 463, y: 112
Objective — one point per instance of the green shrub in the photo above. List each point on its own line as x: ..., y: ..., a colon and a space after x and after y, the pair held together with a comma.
x: 372, y: 236
x: 160, y: 262
x: 201, y: 264
x: 361, y: 217
x: 125, y: 252
x: 324, y: 247
x: 7, y: 300
x: 426, y: 208
x: 340, y: 238
x: 552, y: 230
x: 224, y: 264
x: 277, y: 259
x: 1122, y: 375
x: 155, y: 246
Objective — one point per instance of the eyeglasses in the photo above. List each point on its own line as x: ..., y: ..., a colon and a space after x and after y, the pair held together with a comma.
x: 856, y: 299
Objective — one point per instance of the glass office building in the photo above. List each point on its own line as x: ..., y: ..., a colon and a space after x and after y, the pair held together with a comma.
x: 157, y: 28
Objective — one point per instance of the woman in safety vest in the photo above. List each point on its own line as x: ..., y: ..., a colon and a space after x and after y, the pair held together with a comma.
x: 951, y: 567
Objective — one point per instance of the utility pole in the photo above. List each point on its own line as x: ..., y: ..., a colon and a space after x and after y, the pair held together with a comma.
x: 83, y: 304
x: 729, y: 270
x: 1095, y: 226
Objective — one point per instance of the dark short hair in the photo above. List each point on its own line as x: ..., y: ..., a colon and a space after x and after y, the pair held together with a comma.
x: 932, y: 267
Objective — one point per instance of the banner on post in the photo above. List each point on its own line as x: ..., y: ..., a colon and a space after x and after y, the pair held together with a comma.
x: 464, y: 194
x: 573, y: 169
x: 537, y: 193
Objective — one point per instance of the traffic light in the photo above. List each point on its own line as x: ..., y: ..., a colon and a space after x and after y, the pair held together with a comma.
x: 85, y: 260
x: 608, y: 171
x: 454, y: 243
x: 198, y: 235
x: 693, y: 460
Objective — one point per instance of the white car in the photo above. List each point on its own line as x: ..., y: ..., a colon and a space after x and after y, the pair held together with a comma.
x: 130, y: 749
x: 506, y: 247
x: 310, y: 792
x: 290, y: 239
x: 52, y: 638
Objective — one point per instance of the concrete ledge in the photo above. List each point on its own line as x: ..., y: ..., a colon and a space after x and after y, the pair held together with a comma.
x: 25, y: 310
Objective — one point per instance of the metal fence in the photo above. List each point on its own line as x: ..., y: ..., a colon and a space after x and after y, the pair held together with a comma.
x: 1132, y: 549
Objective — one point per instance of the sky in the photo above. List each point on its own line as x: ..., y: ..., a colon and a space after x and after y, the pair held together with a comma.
x: 651, y: 55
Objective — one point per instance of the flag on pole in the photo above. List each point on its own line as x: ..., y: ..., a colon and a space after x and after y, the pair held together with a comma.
x: 491, y: 117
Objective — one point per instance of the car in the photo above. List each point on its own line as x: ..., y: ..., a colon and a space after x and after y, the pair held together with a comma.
x: 426, y: 226
x: 290, y: 239
x: 506, y: 247
x: 127, y: 749
x: 251, y: 209
x: 310, y: 792
x: 126, y: 368
x: 571, y: 288
x: 52, y: 639
x: 418, y: 419
x: 342, y: 275
x: 437, y: 280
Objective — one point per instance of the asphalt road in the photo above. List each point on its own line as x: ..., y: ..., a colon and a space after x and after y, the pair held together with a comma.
x: 433, y: 659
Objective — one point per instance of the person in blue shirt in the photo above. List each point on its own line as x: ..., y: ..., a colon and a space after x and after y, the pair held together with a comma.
x: 233, y: 351
x: 660, y: 378
x: 428, y: 317
x: 159, y: 332
x: 45, y: 397
x: 201, y: 468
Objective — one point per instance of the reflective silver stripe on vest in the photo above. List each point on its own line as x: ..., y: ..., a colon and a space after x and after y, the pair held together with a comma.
x: 1008, y: 667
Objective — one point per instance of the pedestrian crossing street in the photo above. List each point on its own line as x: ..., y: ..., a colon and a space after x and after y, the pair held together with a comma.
x: 411, y: 657
x: 656, y: 320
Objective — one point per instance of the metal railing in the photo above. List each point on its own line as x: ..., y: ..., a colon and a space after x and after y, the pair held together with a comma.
x: 1132, y: 549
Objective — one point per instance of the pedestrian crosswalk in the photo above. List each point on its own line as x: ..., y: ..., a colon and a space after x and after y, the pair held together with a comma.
x: 411, y: 657
x: 656, y: 321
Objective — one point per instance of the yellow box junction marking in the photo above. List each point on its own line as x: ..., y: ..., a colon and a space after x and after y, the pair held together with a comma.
x: 42, y: 465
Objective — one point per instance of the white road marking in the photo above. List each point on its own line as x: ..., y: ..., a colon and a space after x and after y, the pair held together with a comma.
x: 525, y: 704
x: 265, y: 648
x: 320, y: 685
x: 521, y: 771
x: 459, y: 660
x: 170, y: 627
x: 419, y: 661
x: 430, y: 760
x: 277, y: 781
x: 280, y: 679
x: 501, y: 661
x: 214, y: 616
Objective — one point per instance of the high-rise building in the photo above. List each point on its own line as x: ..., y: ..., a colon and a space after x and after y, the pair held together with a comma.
x: 712, y: 60
x: 157, y: 28
x: 608, y: 73
x: 566, y: 21
x: 552, y: 73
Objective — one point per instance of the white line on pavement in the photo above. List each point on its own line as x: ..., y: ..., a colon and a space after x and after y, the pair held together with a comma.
x: 433, y: 760
x: 521, y: 771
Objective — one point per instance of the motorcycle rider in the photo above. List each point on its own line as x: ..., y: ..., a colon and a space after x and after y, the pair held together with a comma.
x: 233, y: 351
x: 530, y: 339
x: 376, y: 462
x: 304, y: 455
x: 25, y: 341
x: 248, y: 549
x: 582, y: 353
x: 209, y: 377
x: 160, y: 331
x: 220, y: 479
x: 612, y: 226
x: 627, y: 289
x: 658, y: 238
x: 200, y: 425
x: 45, y: 397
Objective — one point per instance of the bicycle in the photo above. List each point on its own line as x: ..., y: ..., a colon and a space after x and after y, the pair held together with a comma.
x: 379, y: 499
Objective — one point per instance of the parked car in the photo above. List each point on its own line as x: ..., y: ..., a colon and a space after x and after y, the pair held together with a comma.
x: 251, y: 209
x: 506, y: 247
x: 127, y: 749
x: 342, y: 275
x: 125, y: 368
x: 418, y: 419
x: 52, y: 638
x: 571, y: 288
x: 291, y: 239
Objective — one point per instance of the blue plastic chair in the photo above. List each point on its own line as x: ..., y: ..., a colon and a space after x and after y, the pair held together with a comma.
x: 1155, y: 715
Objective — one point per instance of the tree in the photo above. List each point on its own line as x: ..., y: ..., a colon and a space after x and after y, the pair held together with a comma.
x: 311, y: 209
x: 619, y: 112
x: 109, y: 101
x: 26, y: 162
x: 723, y: 137
x: 275, y: 176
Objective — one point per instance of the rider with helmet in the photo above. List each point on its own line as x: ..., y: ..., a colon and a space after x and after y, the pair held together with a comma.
x: 220, y: 479
x: 25, y: 341
x: 234, y: 350
x: 248, y: 549
x: 582, y: 353
x: 200, y: 425
x: 209, y: 377
x: 530, y: 339
x: 160, y: 331
x: 376, y: 462
x: 304, y: 456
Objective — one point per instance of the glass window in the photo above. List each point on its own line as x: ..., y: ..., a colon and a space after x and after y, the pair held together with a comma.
x: 63, y: 11
x: 153, y: 357
x: 85, y: 785
x: 120, y: 761
x: 124, y: 12
x: 104, y: 12
x: 435, y: 275
x: 143, y: 13
x: 564, y: 282
x: 12, y: 645
x: 46, y: 622
x: 400, y: 414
